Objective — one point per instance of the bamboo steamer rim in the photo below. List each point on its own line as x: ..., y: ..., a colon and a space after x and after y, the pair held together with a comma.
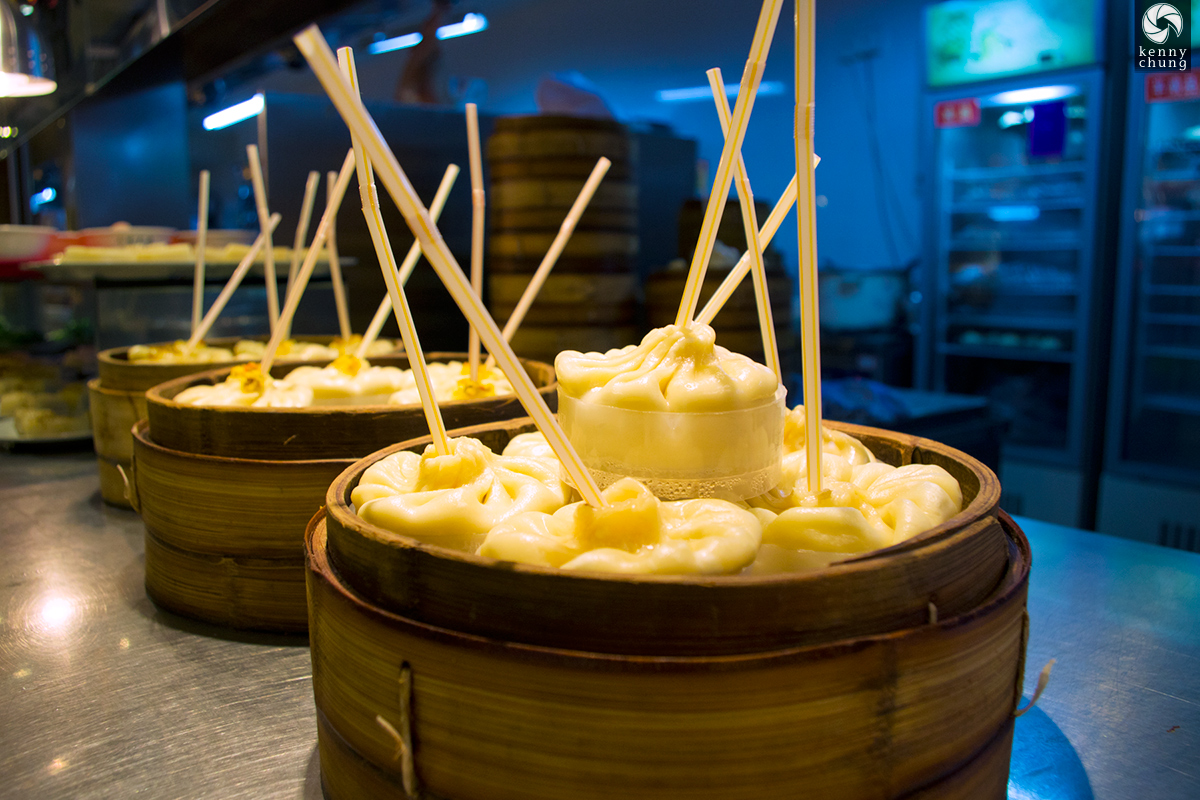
x: 1013, y: 583
x: 141, y: 432
x: 164, y: 393
x: 118, y: 372
x: 987, y: 497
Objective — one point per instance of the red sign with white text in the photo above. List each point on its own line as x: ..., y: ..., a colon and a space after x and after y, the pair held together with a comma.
x: 962, y: 113
x: 1172, y: 88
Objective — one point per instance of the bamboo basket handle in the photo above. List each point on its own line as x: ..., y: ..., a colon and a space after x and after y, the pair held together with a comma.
x: 403, y: 736
x: 130, y: 481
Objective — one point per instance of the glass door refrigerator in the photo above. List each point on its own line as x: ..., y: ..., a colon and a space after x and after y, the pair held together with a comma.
x: 1150, y: 486
x: 1009, y: 259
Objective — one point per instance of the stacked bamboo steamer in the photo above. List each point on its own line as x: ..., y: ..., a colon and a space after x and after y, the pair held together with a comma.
x: 737, y: 325
x: 225, y: 493
x: 893, y: 674
x: 118, y: 400
x: 537, y: 166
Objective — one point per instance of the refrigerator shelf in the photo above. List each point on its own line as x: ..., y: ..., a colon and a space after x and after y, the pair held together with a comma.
x: 1046, y: 204
x: 1018, y: 171
x: 1172, y: 351
x: 1179, y: 404
x: 1025, y: 245
x: 1013, y: 322
x: 1171, y: 319
x: 1170, y: 290
x: 1006, y: 353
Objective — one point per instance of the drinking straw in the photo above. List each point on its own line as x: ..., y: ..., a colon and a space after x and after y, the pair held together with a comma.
x: 335, y: 266
x: 751, y: 77
x: 310, y: 261
x: 260, y: 202
x: 387, y: 263
x: 232, y: 284
x: 201, y: 243
x: 478, y: 201
x: 310, y: 197
x: 410, y: 260
x: 766, y: 321
x: 806, y: 223
x: 556, y: 247
x: 312, y: 45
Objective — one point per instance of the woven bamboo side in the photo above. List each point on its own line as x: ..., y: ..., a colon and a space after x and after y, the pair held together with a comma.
x: 320, y: 432
x: 114, y: 412
x: 264, y: 594
x: 952, y: 566
x: 224, y: 536
x: 228, y: 506
x: 883, y: 716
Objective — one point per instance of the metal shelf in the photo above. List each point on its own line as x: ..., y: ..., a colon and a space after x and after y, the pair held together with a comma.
x: 1180, y: 404
x: 1013, y: 322
x: 1170, y: 290
x: 1018, y: 171
x: 1028, y: 245
x: 1174, y: 250
x: 1171, y: 351
x: 1006, y: 353
x: 1171, y: 319
x: 1048, y: 204
x: 1173, y: 175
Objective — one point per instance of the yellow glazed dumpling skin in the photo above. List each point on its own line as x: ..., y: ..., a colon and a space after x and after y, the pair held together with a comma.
x: 864, y: 504
x: 177, y: 353
x: 455, y: 499
x: 634, y: 533
x: 673, y: 369
x: 246, y: 386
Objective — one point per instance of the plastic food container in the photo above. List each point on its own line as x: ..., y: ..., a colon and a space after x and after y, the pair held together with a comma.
x: 25, y: 243
x: 727, y: 454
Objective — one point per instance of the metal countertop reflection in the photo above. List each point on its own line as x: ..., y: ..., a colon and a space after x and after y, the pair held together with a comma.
x: 104, y: 695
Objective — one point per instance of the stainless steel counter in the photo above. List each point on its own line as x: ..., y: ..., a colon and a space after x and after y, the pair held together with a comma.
x: 103, y: 695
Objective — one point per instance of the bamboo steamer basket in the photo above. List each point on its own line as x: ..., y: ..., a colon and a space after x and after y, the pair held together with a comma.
x: 317, y: 432
x: 843, y: 683
x: 222, y: 534
x: 225, y: 494
x: 537, y: 166
x: 118, y: 399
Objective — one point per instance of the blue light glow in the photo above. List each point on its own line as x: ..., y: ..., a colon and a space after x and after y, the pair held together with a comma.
x: 40, y: 199
x: 471, y: 23
x: 396, y: 43
x: 1014, y: 213
x: 235, y: 113
x: 1035, y: 94
x: 696, y: 93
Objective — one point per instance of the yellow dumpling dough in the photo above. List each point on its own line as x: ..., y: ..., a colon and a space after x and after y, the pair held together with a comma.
x: 348, y: 381
x: 454, y: 500
x: 451, y: 381
x: 177, y: 353
x: 635, y: 533
x: 673, y: 369
x: 246, y: 386
x: 864, y: 504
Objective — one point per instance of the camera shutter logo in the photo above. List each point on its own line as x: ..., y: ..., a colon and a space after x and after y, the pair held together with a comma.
x: 1160, y: 20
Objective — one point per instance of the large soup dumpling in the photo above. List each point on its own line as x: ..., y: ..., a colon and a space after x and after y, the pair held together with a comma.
x: 634, y: 533
x: 455, y: 499
x: 864, y: 504
x: 674, y: 368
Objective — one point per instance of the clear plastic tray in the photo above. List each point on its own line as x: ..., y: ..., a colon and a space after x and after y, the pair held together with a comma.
x: 727, y: 454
